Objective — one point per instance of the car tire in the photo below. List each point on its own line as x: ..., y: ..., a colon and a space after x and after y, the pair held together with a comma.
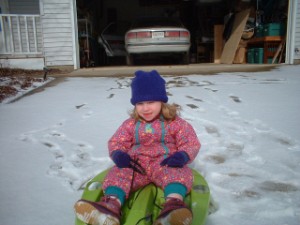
x: 129, y: 60
x: 185, y: 58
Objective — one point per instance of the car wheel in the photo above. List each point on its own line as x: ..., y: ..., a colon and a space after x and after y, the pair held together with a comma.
x: 186, y: 58
x: 103, y: 57
x: 129, y: 60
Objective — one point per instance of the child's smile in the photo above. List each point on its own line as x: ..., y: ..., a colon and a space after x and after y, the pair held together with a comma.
x: 148, y: 110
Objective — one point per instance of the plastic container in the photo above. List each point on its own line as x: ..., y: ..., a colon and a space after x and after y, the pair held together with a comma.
x: 259, y: 55
x: 259, y: 31
x: 250, y: 55
x: 274, y: 29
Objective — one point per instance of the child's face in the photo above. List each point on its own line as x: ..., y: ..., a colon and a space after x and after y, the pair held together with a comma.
x: 148, y: 110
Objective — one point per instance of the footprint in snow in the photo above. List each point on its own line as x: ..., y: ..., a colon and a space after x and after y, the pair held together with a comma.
x: 122, y: 83
x: 275, y: 186
x: 195, y: 99
x: 235, y: 148
x: 111, y: 96
x: 212, y: 130
x: 212, y: 90
x: 216, y: 159
x: 195, y: 106
x: 192, y: 106
x: 87, y: 113
x: 235, y: 99
x: 79, y: 106
x: 283, y: 140
x: 183, y: 82
x: 72, y: 160
x: 247, y: 194
x: 228, y: 112
x: 54, y: 149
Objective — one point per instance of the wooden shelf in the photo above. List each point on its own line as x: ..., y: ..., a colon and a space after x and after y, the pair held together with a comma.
x: 265, y: 39
x: 270, y: 44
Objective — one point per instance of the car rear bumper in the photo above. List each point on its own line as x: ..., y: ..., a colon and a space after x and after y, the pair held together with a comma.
x: 136, y: 49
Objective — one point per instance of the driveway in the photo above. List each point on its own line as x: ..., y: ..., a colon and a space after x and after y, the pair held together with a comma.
x: 203, y: 69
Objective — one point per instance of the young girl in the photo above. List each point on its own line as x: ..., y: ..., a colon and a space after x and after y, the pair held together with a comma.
x: 153, y: 146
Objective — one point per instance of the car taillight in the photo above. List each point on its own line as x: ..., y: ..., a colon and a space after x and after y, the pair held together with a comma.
x: 145, y: 34
x: 184, y: 34
x: 172, y: 34
x: 131, y: 35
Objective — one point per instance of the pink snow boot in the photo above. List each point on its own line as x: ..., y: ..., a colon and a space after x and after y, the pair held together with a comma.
x: 175, y: 212
x: 107, y: 211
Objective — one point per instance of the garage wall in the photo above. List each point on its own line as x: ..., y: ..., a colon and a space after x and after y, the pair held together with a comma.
x: 58, y: 32
x: 133, y: 10
x: 118, y: 7
x: 297, y: 33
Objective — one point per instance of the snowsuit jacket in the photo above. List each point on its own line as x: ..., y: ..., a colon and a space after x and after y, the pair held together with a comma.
x: 150, y: 143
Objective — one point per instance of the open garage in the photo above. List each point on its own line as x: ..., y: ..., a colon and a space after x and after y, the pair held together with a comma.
x: 237, y: 31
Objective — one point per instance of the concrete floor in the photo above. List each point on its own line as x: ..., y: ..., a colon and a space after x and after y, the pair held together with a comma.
x: 203, y: 69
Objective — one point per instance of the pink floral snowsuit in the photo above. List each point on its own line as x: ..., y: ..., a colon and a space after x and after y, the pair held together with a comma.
x: 150, y: 143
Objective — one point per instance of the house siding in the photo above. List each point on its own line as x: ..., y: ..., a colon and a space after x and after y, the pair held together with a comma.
x: 57, y: 32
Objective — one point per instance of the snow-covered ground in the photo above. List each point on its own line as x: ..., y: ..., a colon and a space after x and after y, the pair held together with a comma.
x: 53, y: 141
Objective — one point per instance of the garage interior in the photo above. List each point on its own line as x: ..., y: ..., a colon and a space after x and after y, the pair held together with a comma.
x: 222, y: 31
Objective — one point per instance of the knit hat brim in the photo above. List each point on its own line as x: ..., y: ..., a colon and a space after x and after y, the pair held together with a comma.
x: 148, y: 86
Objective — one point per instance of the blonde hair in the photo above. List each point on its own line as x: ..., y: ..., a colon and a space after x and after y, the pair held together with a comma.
x: 168, y: 111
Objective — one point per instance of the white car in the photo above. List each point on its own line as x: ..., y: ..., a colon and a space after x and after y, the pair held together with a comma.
x: 155, y: 35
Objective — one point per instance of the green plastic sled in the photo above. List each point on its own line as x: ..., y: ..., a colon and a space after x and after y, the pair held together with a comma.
x: 144, y: 205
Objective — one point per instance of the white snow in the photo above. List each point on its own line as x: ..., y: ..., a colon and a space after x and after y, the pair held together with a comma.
x: 53, y: 141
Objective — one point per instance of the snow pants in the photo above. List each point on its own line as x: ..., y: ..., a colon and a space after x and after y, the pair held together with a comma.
x: 129, y: 181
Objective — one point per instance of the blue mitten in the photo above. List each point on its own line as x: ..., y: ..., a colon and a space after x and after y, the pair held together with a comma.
x: 178, y: 159
x: 121, y: 159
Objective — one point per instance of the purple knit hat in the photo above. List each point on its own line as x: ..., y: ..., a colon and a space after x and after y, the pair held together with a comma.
x: 148, y: 86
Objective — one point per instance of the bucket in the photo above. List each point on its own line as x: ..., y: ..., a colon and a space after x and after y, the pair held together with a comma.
x: 259, y: 55
x: 250, y: 55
